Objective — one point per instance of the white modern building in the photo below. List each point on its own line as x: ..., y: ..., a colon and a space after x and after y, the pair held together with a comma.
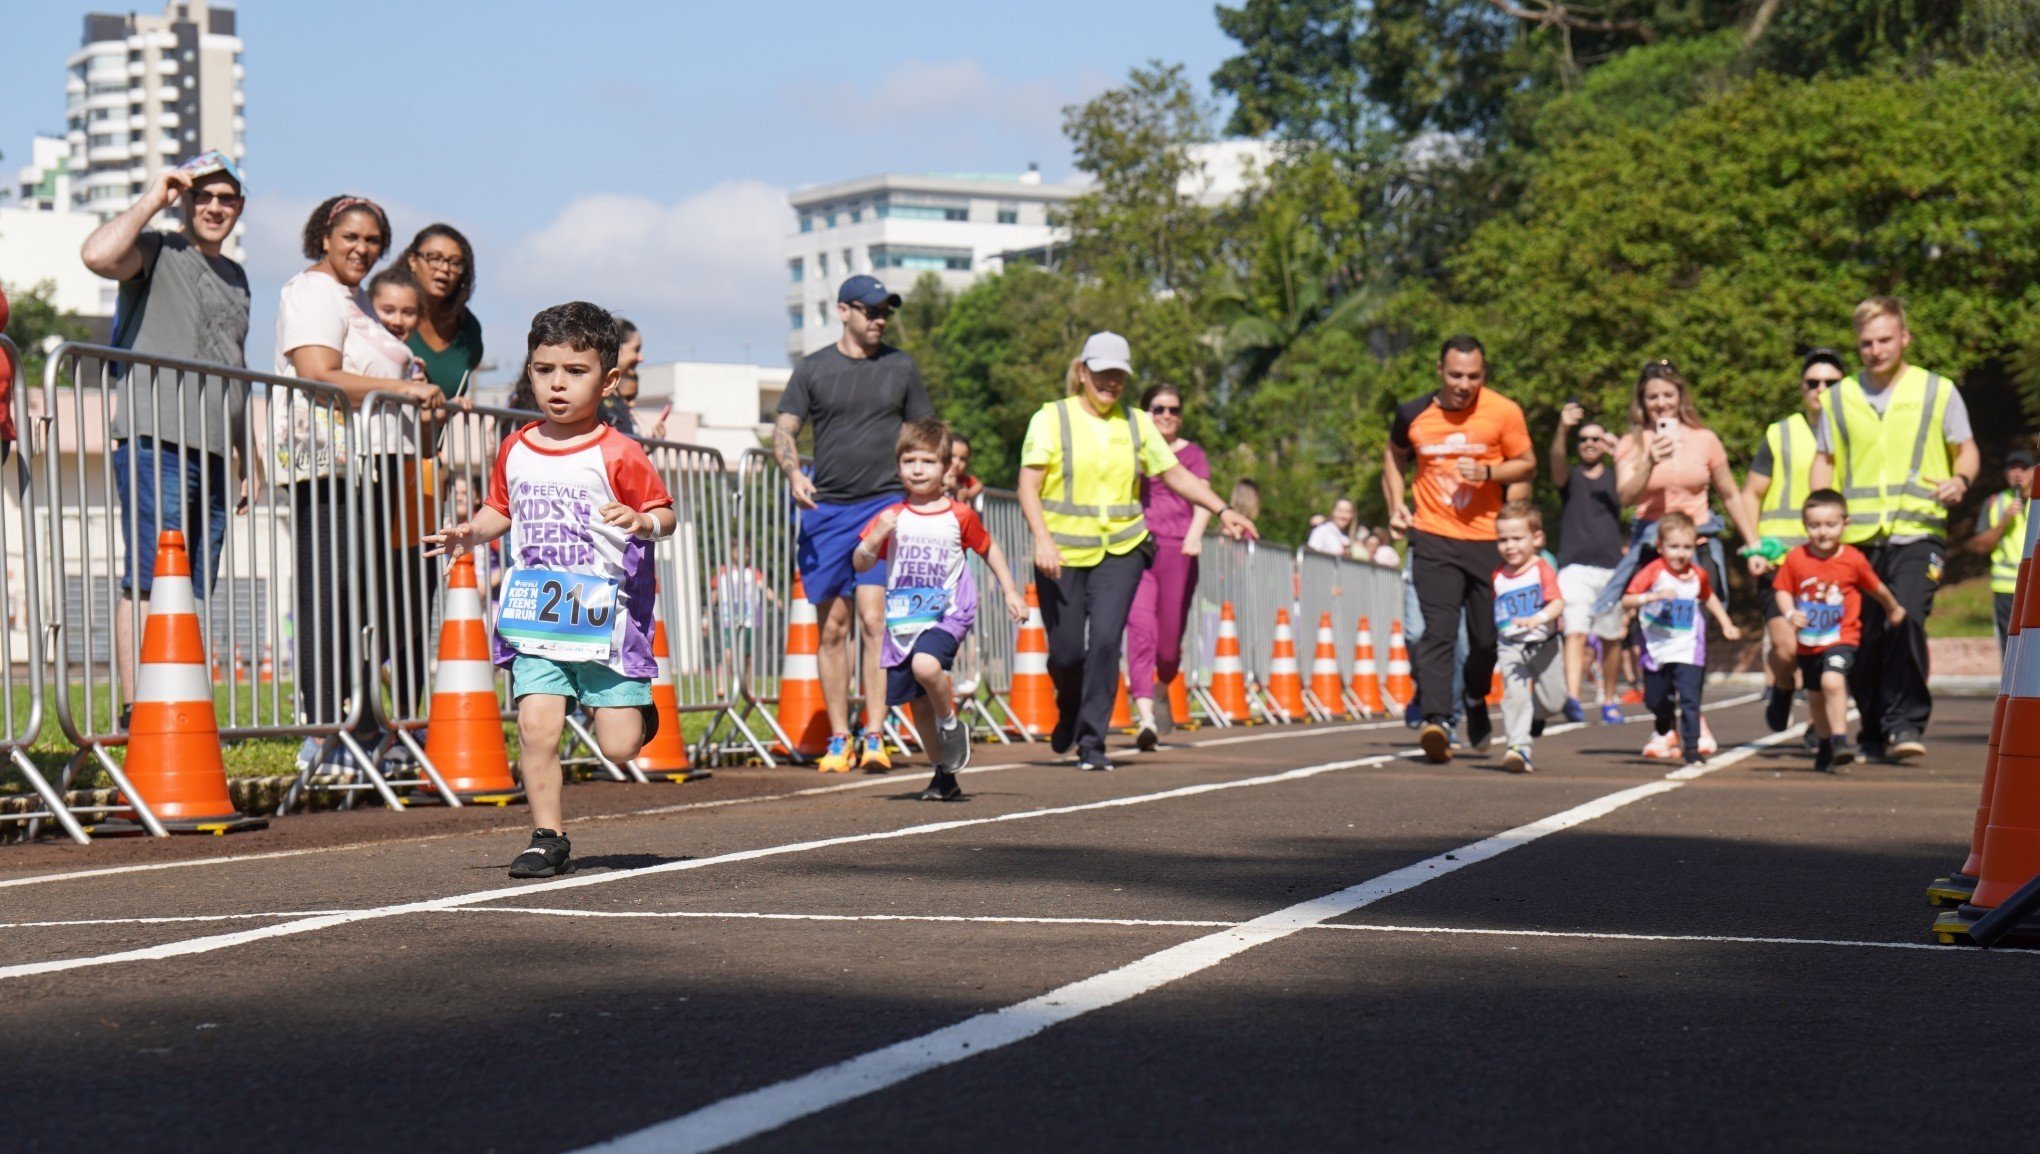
x: 728, y: 408
x: 146, y: 92
x: 42, y: 230
x: 894, y: 227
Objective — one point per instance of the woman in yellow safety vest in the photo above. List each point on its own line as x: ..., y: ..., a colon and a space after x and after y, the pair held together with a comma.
x: 1080, y: 471
x: 2001, y: 533
x: 1779, y: 480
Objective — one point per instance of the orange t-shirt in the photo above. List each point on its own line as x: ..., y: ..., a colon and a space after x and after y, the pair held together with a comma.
x: 1490, y: 430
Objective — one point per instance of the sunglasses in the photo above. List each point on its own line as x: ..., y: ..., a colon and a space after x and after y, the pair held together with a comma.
x: 1165, y: 410
x: 873, y: 312
x: 1816, y: 384
x: 224, y: 199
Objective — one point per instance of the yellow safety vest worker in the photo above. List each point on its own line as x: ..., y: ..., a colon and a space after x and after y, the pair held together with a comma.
x: 1090, y: 493
x: 2009, y: 509
x: 1889, y: 466
x: 1792, y: 448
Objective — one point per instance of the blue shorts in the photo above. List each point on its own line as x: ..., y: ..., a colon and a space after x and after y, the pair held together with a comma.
x: 194, y: 497
x: 828, y: 535
x: 901, y: 686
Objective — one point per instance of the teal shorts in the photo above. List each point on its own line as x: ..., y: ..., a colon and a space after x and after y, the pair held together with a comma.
x: 592, y: 683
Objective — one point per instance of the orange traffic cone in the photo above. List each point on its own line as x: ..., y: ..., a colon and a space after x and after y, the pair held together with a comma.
x: 464, y: 725
x: 266, y: 672
x: 1285, y: 681
x: 1122, y: 709
x: 1325, y: 683
x: 1401, y: 690
x: 1179, y: 699
x: 1959, y: 886
x: 1033, y: 695
x: 1228, y: 674
x: 665, y: 755
x: 173, y: 751
x: 1494, y: 693
x: 1366, y: 676
x: 240, y: 668
x: 803, y: 716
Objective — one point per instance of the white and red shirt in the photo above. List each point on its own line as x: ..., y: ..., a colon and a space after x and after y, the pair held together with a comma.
x: 1525, y: 594
x: 551, y: 496
x: 927, y: 583
x: 1673, y: 633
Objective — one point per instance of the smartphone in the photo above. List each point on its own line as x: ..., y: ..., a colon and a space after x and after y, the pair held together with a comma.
x: 1668, y: 427
x: 667, y: 411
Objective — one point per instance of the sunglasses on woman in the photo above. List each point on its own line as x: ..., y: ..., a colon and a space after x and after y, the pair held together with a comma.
x: 1164, y: 410
x: 1816, y: 384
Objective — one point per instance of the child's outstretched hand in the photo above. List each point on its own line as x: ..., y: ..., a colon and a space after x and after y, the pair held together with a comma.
x: 453, y: 541
x: 1731, y: 632
x: 1017, y: 606
x: 622, y: 516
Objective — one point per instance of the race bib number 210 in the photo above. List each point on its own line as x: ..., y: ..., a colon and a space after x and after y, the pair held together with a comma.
x: 564, y: 616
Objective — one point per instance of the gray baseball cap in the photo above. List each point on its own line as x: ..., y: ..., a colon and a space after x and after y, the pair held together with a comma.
x: 1107, y: 351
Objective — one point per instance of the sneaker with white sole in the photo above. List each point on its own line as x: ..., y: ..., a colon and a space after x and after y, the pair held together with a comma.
x: 1662, y: 747
x: 1517, y: 760
x: 547, y: 856
x: 1708, y: 748
x: 952, y: 745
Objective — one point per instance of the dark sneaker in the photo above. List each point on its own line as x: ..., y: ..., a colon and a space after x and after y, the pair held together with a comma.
x: 1537, y: 727
x: 952, y: 746
x: 1517, y: 760
x: 1905, y: 745
x: 1147, y: 739
x: 1479, y: 727
x: 1869, y: 746
x: 1810, y: 739
x: 1436, y: 742
x: 942, y: 787
x: 1095, y: 761
x: 1845, y: 754
x: 1573, y: 712
x: 1065, y: 735
x: 1824, y: 757
x: 1778, y: 711
x: 1411, y: 716
x: 545, y: 857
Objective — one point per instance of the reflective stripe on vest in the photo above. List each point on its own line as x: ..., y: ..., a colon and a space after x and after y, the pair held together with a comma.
x: 1067, y: 518
x: 1792, y: 449
x: 1882, y: 500
x: 2008, y: 509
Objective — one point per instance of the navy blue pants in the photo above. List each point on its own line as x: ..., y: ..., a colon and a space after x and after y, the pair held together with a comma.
x: 1660, y: 686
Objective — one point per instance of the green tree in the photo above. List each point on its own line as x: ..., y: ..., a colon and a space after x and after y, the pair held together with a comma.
x: 35, y: 321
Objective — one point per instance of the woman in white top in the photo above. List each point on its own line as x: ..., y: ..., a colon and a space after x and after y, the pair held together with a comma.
x: 326, y: 332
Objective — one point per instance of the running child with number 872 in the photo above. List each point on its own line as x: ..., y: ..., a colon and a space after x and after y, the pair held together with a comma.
x: 931, y: 599
x: 582, y: 505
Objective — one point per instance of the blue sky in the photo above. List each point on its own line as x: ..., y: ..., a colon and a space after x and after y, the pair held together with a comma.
x: 637, y: 153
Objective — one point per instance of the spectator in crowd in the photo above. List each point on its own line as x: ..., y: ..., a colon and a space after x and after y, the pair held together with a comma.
x: 2003, y: 538
x: 619, y: 408
x: 448, y: 339
x: 1460, y: 446
x: 1161, y: 603
x: 1080, y: 471
x: 1896, y: 441
x: 1335, y: 534
x: 180, y: 296
x: 857, y: 392
x: 1590, y: 545
x: 1778, y: 484
x: 962, y: 486
x: 1381, y: 552
x: 393, y: 297
x: 7, y: 432
x: 326, y: 334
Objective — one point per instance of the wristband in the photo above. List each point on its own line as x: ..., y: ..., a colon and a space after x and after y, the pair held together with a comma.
x: 1223, y: 510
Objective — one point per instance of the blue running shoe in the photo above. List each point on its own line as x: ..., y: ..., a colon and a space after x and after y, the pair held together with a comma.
x: 1611, y: 714
x: 1573, y: 712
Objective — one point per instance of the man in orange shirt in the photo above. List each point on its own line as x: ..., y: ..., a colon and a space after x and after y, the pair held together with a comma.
x: 1460, y: 448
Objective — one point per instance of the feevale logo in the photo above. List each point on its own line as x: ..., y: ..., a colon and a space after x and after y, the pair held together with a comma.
x: 1454, y: 445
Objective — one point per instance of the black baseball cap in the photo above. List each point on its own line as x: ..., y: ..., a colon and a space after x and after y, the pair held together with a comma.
x: 1824, y: 356
x: 866, y: 290
x: 2018, y: 459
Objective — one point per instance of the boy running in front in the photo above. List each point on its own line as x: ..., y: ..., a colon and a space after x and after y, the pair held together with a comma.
x: 582, y: 505
x: 1668, y: 595
x: 931, y: 600
x: 1820, y: 588
x: 1528, y: 608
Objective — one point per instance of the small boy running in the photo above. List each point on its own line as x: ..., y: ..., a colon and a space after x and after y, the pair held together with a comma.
x: 582, y: 505
x: 931, y: 600
x: 1668, y: 595
x: 1820, y: 588
x: 1528, y: 608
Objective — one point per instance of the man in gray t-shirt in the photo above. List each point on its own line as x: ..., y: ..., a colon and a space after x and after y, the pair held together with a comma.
x: 174, y: 431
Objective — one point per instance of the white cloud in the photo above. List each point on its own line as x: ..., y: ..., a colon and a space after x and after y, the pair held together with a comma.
x: 952, y: 108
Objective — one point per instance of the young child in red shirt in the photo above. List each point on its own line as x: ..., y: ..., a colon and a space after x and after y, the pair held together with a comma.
x: 1820, y: 588
x: 1669, y: 594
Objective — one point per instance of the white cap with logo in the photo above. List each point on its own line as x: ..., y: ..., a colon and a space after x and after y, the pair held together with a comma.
x: 1107, y: 351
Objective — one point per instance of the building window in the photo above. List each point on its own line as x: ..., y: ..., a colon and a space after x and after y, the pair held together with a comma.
x: 807, y: 222
x: 1009, y: 214
x: 856, y: 214
x: 822, y: 265
x: 795, y: 268
x: 888, y: 207
x: 793, y: 318
x: 919, y: 260
x: 848, y: 265
x: 822, y: 312
x: 829, y: 219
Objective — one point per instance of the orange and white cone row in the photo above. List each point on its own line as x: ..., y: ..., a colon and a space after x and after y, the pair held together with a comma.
x: 1325, y: 683
x: 1366, y: 675
x: 464, y: 729
x: 1228, y: 673
x: 803, y: 715
x: 1285, y: 680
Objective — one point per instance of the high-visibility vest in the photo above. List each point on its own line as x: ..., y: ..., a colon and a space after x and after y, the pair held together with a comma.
x: 2009, y: 509
x: 1889, y: 466
x: 1792, y: 447
x: 1086, y: 517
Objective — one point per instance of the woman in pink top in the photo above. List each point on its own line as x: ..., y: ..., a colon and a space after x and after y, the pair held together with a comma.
x: 1161, y: 603
x: 1668, y: 463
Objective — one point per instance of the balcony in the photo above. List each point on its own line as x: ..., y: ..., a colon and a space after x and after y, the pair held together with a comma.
x: 134, y: 68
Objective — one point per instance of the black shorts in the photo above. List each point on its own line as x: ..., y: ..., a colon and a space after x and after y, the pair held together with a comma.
x: 1770, y: 605
x: 901, y: 686
x: 1835, y: 658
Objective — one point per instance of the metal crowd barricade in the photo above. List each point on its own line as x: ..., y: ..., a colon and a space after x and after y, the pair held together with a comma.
x: 259, y: 463
x: 754, y: 591
x: 1348, y: 590
x: 1219, y: 576
x: 21, y: 668
x: 995, y: 640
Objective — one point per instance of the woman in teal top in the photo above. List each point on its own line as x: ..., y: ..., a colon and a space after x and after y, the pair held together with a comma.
x: 448, y: 338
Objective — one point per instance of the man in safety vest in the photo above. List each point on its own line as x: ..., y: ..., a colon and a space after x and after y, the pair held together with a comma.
x: 1777, y: 484
x: 1897, y: 443
x: 2003, y: 537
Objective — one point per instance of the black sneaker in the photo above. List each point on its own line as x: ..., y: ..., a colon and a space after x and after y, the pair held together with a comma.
x: 545, y: 857
x: 1824, y: 757
x: 1095, y: 761
x: 1778, y: 711
x: 1536, y: 727
x: 942, y: 787
x: 1147, y: 739
x: 1479, y: 727
x: 1845, y: 754
x: 1904, y: 745
x: 1065, y: 735
x: 952, y: 746
x: 1870, y: 746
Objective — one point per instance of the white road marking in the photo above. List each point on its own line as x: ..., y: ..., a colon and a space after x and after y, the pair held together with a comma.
x: 215, y: 942
x: 1613, y: 937
x: 166, y: 920
x: 766, y: 1109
